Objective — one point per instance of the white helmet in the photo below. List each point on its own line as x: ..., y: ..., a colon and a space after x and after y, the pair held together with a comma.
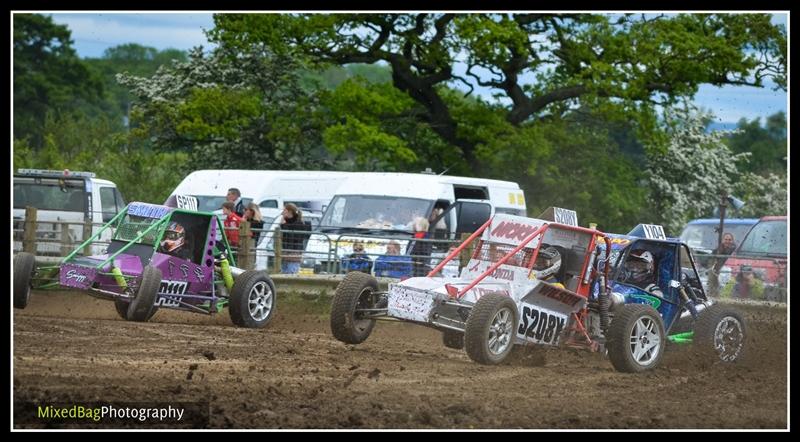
x: 639, y: 265
x: 547, y: 264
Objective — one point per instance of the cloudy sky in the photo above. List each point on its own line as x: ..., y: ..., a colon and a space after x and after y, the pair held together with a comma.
x: 95, y: 32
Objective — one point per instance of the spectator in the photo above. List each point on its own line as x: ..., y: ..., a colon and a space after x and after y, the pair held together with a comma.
x: 235, y: 197
x: 728, y: 244
x: 420, y: 251
x: 293, y: 239
x: 231, y: 223
x: 358, y: 261
x: 393, y: 265
x: 746, y: 285
x: 436, y: 220
x: 252, y: 214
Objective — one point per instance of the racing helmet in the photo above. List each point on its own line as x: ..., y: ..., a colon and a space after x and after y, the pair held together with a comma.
x: 174, y: 237
x: 639, y: 265
x: 547, y: 264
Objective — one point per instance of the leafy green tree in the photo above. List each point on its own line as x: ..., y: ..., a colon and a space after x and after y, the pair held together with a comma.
x: 229, y: 110
x: 48, y: 76
x: 132, y: 59
x: 542, y: 64
x: 768, y: 144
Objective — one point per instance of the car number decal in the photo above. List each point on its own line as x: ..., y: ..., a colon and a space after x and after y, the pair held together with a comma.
x: 540, y: 325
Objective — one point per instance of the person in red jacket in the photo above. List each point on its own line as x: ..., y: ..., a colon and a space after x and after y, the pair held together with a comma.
x: 231, y: 223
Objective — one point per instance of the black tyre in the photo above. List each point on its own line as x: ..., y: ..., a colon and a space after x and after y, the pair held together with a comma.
x: 252, y: 302
x: 122, y: 305
x: 453, y: 339
x: 489, y: 335
x: 24, y: 266
x: 354, y: 292
x: 720, y: 333
x: 636, y: 338
x: 140, y: 308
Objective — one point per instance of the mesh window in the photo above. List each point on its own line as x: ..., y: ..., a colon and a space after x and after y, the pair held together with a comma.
x: 132, y: 226
x: 493, y: 252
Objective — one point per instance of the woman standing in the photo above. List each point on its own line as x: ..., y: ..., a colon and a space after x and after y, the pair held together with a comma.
x: 294, y: 239
x: 252, y: 214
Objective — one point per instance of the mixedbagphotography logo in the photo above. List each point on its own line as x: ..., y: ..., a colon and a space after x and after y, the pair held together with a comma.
x: 111, y: 415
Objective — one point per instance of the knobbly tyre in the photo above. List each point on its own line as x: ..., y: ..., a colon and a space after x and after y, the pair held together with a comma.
x: 507, y: 295
x: 685, y: 314
x: 160, y: 256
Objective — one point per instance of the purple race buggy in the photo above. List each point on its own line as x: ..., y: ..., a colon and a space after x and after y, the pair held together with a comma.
x: 161, y: 257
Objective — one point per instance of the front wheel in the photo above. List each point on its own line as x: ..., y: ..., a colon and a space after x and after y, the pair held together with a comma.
x: 489, y: 334
x: 720, y: 332
x: 252, y: 302
x: 453, y: 339
x: 356, y: 291
x: 122, y: 305
x: 24, y: 266
x: 140, y: 308
x: 636, y: 338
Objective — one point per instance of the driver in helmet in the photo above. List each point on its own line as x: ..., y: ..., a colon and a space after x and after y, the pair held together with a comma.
x: 547, y: 265
x: 174, y: 241
x: 639, y: 271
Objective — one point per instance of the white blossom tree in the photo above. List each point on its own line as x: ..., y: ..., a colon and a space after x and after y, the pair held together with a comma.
x: 687, y: 177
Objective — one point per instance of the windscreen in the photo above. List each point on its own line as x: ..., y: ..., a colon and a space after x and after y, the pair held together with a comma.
x: 766, y: 238
x: 375, y: 212
x: 50, y: 194
x: 705, y: 236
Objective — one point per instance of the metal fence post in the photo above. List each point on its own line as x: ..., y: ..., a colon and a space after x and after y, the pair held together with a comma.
x: 29, y: 231
x: 278, y: 248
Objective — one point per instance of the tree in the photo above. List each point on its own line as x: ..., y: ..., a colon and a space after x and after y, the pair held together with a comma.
x: 768, y: 144
x: 542, y: 64
x: 687, y: 179
x: 48, y: 76
x: 229, y: 110
x: 131, y: 59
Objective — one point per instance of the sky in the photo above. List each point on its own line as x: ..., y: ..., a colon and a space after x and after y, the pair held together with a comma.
x: 93, y: 33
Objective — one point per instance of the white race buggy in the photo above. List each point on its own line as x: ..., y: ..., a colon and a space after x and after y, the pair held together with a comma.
x: 499, y: 300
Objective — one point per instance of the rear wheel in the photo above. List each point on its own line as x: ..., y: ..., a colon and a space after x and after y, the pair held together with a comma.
x: 489, y: 334
x: 141, y: 307
x: 356, y: 291
x: 720, y: 332
x: 636, y: 338
x: 24, y: 266
x: 252, y: 302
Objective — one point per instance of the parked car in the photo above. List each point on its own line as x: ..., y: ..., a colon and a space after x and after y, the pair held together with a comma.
x: 765, y: 251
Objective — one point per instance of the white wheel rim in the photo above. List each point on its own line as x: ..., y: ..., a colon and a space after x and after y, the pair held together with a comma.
x: 260, y: 301
x: 645, y: 341
x: 499, y: 338
x: 729, y: 338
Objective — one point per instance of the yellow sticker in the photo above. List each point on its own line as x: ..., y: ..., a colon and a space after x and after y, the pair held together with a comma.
x: 510, y: 198
x: 520, y: 199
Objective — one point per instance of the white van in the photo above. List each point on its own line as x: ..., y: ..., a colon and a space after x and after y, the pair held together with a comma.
x: 311, y: 191
x: 384, y: 204
x: 63, y: 196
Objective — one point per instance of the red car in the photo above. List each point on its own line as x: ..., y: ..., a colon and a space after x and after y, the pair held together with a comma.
x: 764, y: 253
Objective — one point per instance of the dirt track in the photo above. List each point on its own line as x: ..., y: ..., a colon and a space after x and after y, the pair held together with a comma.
x: 72, y: 348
